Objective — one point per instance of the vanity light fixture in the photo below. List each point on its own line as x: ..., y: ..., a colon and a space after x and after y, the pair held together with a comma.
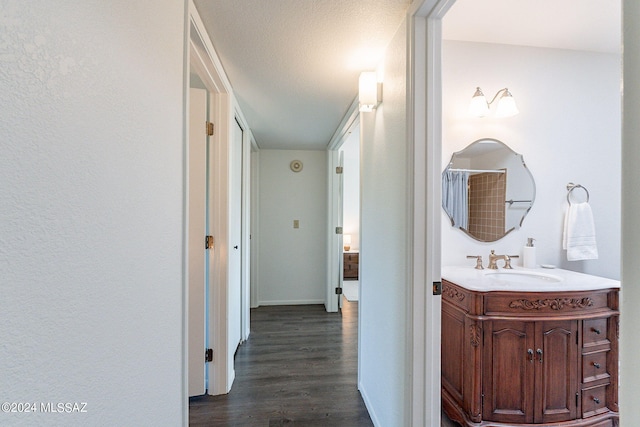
x: 479, y: 106
x: 369, y: 91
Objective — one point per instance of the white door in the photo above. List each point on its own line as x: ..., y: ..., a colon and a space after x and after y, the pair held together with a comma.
x: 235, y: 239
x: 197, y: 167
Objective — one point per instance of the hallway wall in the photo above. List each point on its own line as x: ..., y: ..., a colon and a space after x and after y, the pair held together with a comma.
x: 91, y: 217
x: 384, y: 245
x: 292, y: 262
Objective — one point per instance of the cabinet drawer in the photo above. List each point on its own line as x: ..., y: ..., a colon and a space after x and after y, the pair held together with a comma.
x: 544, y: 304
x: 594, y: 366
x: 594, y: 332
x: 351, y: 258
x: 594, y: 401
x: 457, y: 296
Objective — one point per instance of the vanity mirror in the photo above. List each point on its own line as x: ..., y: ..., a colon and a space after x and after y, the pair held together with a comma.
x: 487, y: 190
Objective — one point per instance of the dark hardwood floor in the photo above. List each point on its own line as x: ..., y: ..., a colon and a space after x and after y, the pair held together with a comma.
x: 298, y: 368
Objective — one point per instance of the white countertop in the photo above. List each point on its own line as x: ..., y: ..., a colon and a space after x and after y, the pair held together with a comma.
x: 522, y: 279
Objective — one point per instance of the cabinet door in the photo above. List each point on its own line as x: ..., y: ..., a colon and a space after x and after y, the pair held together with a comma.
x: 508, y: 372
x: 556, y: 381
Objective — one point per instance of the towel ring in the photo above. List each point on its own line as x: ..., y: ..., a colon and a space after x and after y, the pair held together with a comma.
x: 571, y: 186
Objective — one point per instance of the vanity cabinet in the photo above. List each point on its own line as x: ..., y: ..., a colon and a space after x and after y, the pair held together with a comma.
x: 522, y: 358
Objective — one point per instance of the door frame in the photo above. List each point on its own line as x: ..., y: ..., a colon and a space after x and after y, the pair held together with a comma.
x: 350, y: 122
x: 424, y: 130
x: 221, y: 372
x: 224, y: 110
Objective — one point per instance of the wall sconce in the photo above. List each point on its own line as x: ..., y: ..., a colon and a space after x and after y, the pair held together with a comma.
x: 369, y: 91
x: 346, y: 241
x: 479, y: 106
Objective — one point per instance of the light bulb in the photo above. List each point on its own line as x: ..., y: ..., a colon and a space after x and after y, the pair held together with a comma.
x: 478, y: 106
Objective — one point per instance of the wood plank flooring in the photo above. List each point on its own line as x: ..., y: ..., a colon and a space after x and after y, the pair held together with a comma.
x: 298, y: 368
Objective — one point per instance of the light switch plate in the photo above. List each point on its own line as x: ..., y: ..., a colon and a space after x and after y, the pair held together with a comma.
x: 296, y: 223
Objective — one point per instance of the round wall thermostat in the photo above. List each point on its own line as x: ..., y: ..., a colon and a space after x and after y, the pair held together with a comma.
x: 296, y: 165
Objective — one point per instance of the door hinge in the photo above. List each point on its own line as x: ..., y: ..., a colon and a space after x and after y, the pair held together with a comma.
x: 210, y: 128
x: 338, y: 291
x: 339, y: 169
x: 208, y: 355
x: 208, y: 242
x: 437, y: 288
x: 338, y: 230
x: 577, y: 397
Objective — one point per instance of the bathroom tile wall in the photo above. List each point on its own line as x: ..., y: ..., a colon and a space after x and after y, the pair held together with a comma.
x: 487, y: 194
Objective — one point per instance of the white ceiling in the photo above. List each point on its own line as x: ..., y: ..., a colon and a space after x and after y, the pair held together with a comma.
x: 294, y: 64
x: 591, y: 25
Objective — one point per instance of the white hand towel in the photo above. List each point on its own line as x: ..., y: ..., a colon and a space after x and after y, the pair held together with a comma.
x: 579, y: 236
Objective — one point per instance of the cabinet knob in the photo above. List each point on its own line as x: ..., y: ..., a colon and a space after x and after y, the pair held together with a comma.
x: 530, y: 353
x: 596, y: 330
x: 539, y: 351
x: 595, y: 399
x: 596, y: 364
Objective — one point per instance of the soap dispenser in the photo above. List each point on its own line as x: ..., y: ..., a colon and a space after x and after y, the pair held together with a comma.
x: 529, y: 254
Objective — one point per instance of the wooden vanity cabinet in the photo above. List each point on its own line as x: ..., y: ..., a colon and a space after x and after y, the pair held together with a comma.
x: 512, y: 358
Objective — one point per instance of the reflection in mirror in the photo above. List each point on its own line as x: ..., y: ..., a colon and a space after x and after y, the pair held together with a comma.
x: 487, y: 190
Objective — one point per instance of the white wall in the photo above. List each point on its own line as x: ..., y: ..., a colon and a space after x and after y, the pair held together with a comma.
x: 568, y: 130
x: 292, y: 262
x: 351, y: 187
x: 630, y: 295
x: 383, y: 245
x: 91, y: 224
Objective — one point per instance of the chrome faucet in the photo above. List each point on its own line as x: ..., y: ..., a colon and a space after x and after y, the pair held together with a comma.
x: 493, y: 258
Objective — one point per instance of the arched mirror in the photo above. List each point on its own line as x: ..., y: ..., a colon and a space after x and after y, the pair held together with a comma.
x: 487, y: 190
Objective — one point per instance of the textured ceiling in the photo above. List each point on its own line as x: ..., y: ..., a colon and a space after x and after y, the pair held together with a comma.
x: 294, y: 64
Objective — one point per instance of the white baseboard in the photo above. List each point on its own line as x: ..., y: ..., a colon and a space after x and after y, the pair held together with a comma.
x: 367, y: 403
x: 293, y: 302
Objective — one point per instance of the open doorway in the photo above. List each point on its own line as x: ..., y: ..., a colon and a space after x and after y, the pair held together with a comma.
x: 540, y: 72
x: 350, y: 154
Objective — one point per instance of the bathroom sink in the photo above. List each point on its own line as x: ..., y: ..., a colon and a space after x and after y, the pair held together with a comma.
x: 524, y: 277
